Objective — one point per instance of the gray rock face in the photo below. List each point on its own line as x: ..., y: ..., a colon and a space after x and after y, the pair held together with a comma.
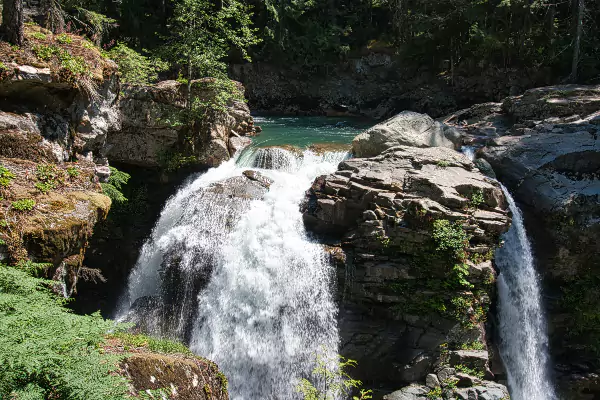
x: 394, y: 316
x: 43, y: 119
x: 153, y: 127
x: 485, y: 390
x: 546, y: 150
x: 408, y: 129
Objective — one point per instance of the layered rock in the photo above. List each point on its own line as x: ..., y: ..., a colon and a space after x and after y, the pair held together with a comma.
x: 408, y: 129
x: 417, y: 229
x: 378, y: 84
x: 56, y: 112
x: 155, y: 127
x: 544, y: 146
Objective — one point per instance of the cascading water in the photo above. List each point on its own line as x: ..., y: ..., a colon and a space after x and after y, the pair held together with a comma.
x: 523, y: 337
x: 252, y: 292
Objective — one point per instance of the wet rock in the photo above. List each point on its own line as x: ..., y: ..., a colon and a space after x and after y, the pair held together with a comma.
x: 241, y: 187
x: 258, y: 177
x: 405, y: 129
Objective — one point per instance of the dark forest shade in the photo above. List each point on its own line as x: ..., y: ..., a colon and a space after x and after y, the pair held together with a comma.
x: 12, y: 21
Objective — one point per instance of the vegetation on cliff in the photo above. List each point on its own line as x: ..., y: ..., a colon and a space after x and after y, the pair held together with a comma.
x: 46, y: 351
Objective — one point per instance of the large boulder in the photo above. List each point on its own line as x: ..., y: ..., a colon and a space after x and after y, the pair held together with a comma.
x: 400, y: 302
x: 408, y: 129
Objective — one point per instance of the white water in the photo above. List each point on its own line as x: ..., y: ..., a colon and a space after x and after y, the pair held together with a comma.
x: 266, y: 308
x: 523, y: 336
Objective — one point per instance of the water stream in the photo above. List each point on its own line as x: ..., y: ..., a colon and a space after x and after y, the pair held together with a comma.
x: 238, y: 278
x: 522, y: 328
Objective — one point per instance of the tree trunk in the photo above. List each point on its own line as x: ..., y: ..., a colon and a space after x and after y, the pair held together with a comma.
x: 577, y: 44
x: 12, y: 21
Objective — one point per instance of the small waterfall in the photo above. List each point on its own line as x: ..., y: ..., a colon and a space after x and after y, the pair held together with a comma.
x: 522, y: 329
x: 239, y: 279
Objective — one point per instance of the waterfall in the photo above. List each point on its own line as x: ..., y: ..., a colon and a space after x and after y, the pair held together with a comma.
x: 522, y: 329
x: 239, y: 278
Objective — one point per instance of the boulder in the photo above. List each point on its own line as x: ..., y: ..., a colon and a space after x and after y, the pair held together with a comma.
x: 154, y: 126
x: 407, y: 129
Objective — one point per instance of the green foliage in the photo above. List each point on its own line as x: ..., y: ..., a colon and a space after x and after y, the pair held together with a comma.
x: 337, y: 383
x: 49, y: 177
x: 450, y: 237
x: 434, y: 394
x: 38, y: 35
x: 63, y: 38
x: 442, y: 163
x: 203, y: 32
x: 172, y: 161
x: 23, y: 205
x: 73, y: 171
x: 474, y: 345
x: 5, y: 177
x: 469, y: 371
x: 45, y: 52
x: 44, y: 187
x: 46, y: 352
x: 477, y: 198
x: 134, y: 67
x: 115, y: 183
x: 164, y: 346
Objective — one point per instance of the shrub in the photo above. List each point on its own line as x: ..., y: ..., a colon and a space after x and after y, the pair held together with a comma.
x: 469, y: 371
x: 477, y: 198
x: 450, y: 237
x: 44, y: 187
x: 23, y: 205
x: 336, y: 382
x: 63, y: 38
x: 5, y: 177
x: 73, y: 172
x: 134, y: 67
x: 115, y: 183
x: 46, y: 352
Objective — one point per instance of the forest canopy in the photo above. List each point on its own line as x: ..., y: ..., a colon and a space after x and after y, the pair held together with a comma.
x: 199, y: 37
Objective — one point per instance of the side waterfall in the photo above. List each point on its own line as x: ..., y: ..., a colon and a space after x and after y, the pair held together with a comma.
x: 523, y: 337
x: 250, y: 290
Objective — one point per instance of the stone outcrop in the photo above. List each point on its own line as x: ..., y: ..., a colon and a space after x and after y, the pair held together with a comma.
x: 176, y: 374
x: 155, y: 128
x: 415, y: 229
x: 54, y: 120
x: 544, y: 146
x: 408, y: 129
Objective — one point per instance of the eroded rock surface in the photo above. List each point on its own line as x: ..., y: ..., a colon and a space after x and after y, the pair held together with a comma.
x: 408, y: 129
x: 154, y: 126
x: 545, y: 147
x: 402, y: 301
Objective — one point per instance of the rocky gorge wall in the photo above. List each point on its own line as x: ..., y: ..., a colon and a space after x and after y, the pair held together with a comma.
x: 544, y: 145
x: 413, y: 229
x: 377, y: 84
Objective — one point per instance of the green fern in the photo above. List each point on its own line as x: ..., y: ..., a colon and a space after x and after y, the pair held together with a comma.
x: 48, y: 352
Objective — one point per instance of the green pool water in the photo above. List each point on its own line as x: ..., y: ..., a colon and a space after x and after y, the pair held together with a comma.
x: 305, y: 131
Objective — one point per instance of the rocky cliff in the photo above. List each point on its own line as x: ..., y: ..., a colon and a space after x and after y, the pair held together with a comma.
x: 377, y: 84
x: 544, y: 145
x: 57, y: 106
x: 157, y: 129
x: 414, y: 229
